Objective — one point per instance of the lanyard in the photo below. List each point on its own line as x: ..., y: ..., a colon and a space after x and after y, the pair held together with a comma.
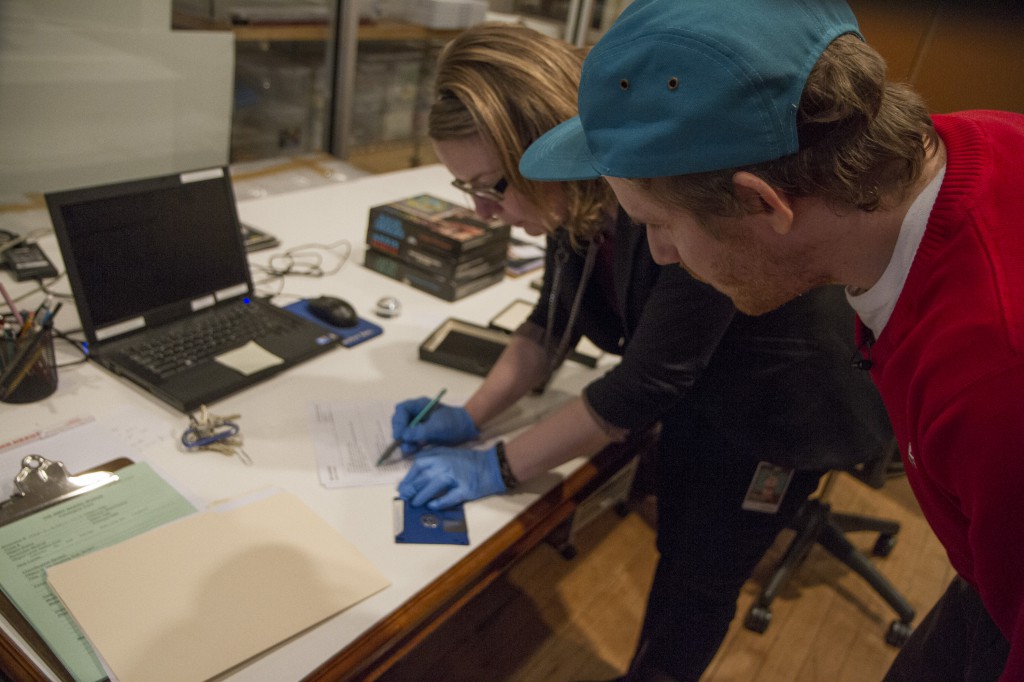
x: 561, y: 258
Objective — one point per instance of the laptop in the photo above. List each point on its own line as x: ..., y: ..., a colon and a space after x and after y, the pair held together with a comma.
x: 160, y: 278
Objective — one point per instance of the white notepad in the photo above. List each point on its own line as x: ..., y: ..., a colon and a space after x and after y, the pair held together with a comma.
x: 191, y: 599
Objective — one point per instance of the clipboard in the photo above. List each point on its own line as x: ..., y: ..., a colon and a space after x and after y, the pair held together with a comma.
x: 43, y: 483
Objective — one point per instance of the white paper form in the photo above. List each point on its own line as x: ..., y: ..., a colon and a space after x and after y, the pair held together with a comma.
x: 80, y: 444
x: 141, y: 429
x: 349, y: 438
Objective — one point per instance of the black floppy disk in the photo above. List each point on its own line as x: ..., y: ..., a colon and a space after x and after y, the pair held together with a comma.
x: 426, y: 526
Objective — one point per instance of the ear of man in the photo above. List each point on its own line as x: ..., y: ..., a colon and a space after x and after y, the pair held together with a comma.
x: 775, y: 207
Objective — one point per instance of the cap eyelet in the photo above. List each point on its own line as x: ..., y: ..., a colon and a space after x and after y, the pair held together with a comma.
x: 673, y: 83
x: 624, y: 84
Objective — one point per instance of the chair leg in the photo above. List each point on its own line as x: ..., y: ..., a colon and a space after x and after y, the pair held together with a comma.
x: 816, y: 523
x: 886, y: 529
x: 809, y: 523
x: 851, y: 523
x: 833, y: 540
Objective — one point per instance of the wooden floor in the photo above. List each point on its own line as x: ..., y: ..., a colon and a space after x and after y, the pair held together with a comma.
x: 550, y: 619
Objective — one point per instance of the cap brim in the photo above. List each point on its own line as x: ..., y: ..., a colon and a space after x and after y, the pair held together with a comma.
x: 559, y: 154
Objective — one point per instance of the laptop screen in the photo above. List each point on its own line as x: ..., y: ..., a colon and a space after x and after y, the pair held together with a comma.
x: 159, y: 247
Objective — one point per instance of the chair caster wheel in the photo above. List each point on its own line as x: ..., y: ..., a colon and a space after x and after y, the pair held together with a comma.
x: 883, y: 545
x: 568, y: 551
x: 898, y: 633
x: 758, y: 618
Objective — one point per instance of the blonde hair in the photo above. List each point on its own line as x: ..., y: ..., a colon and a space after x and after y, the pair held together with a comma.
x: 863, y: 143
x: 511, y: 84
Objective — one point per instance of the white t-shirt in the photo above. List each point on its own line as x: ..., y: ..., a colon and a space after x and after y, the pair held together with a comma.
x: 875, y: 305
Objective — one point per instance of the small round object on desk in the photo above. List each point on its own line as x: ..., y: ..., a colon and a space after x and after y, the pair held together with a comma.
x: 389, y: 307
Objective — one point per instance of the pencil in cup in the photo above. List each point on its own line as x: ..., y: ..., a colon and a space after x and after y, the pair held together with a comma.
x: 28, y: 367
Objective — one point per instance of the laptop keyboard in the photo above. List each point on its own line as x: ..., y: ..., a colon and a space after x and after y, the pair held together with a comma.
x: 202, y: 337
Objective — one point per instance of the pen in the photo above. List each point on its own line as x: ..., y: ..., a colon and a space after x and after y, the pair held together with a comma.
x: 415, y: 420
x: 48, y: 318
x: 43, y: 307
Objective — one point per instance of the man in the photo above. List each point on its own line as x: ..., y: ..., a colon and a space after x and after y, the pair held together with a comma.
x: 766, y: 152
x: 731, y: 399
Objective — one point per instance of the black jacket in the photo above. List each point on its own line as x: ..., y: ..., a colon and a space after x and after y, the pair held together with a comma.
x: 780, y: 385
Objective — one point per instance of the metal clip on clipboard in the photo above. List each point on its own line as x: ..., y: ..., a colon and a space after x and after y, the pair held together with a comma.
x: 42, y: 483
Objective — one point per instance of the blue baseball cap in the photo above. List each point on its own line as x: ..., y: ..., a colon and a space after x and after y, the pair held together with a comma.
x: 687, y: 86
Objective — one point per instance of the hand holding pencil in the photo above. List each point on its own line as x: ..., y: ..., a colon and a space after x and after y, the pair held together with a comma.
x: 398, y: 431
x: 439, y: 424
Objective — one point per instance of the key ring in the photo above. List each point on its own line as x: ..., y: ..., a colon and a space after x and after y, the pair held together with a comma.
x: 194, y: 437
x: 210, y: 432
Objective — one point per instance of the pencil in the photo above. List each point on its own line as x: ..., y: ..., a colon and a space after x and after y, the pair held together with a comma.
x: 10, y: 304
x: 22, y: 363
x: 415, y: 420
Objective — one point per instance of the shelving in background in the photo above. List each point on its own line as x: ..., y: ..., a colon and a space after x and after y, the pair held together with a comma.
x: 282, y: 93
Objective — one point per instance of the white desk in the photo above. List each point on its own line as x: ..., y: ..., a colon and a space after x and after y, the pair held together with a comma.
x: 428, y: 582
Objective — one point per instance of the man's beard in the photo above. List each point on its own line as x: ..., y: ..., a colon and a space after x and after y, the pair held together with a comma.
x: 756, y: 281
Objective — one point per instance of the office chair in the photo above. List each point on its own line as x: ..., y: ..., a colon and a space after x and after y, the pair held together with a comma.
x: 817, y: 523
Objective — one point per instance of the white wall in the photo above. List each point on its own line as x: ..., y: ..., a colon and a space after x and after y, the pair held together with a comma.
x: 94, y: 91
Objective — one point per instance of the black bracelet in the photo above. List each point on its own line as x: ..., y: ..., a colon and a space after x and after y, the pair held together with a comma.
x: 507, y: 477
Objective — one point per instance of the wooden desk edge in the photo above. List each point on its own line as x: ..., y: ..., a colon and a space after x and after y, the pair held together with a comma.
x: 381, y: 647
x: 15, y: 663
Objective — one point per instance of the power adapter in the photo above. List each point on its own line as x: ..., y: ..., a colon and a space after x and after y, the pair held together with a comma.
x: 28, y: 261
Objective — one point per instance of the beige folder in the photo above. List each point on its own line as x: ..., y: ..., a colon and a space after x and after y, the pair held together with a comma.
x: 196, y: 597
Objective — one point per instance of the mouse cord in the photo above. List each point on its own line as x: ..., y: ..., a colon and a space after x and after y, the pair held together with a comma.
x: 307, y: 260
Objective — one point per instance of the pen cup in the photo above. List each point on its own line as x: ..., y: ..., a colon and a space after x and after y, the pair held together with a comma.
x: 28, y: 367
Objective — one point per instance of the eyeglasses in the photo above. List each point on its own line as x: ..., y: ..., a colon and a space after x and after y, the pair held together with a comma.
x: 496, y: 193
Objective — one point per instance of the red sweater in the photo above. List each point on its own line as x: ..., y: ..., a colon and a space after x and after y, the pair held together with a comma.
x: 950, y: 365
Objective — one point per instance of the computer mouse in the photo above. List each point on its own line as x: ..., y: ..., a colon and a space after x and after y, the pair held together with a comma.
x: 333, y: 311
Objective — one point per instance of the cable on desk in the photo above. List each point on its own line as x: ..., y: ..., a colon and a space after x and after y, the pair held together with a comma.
x: 81, y: 346
x: 45, y: 287
x: 10, y: 239
x: 304, y: 260
x: 307, y: 260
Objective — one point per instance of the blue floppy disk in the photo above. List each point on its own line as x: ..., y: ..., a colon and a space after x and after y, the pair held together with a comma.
x: 364, y: 330
x: 427, y: 526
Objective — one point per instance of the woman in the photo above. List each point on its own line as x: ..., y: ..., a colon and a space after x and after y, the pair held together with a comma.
x: 727, y: 393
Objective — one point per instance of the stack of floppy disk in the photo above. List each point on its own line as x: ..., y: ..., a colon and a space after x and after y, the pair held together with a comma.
x: 436, y: 246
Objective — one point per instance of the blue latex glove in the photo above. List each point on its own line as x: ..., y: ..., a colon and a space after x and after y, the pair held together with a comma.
x: 445, y: 425
x: 444, y: 477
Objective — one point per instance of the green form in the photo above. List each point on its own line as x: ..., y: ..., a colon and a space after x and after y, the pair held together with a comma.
x: 138, y: 501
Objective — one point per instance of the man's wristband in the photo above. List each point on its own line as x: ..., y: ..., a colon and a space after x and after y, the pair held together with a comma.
x: 507, y: 477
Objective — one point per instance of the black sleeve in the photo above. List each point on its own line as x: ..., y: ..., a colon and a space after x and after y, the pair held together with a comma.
x: 681, y: 324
